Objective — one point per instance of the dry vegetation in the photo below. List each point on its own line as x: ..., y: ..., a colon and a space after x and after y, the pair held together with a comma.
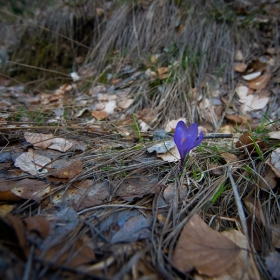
x: 82, y: 197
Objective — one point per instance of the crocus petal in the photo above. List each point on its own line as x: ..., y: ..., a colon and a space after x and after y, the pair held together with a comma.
x: 180, y: 134
x: 186, y: 139
x: 198, y: 141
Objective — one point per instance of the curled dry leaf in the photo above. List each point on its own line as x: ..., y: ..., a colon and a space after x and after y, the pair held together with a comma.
x: 245, y: 140
x: 236, y: 119
x: 254, y: 208
x: 67, y: 169
x: 32, y: 163
x: 204, y: 249
x: 260, y: 82
x: 40, y: 140
x: 60, y: 144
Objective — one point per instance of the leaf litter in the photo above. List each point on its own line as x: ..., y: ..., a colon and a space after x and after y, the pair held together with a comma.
x: 95, y: 191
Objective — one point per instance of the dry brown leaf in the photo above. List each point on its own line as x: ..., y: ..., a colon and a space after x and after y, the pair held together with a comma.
x: 170, y: 126
x: 86, y: 194
x: 272, y: 262
x: 204, y: 249
x: 38, y: 224
x: 82, y: 254
x: 32, y: 163
x: 236, y: 119
x: 244, y: 266
x: 137, y: 187
x: 40, y: 140
x: 269, y: 180
x: 229, y: 158
x: 162, y: 70
x: 245, y: 140
x: 253, y: 205
x: 99, y: 115
x: 26, y: 189
x: 172, y: 155
x: 240, y: 67
x: 67, y: 169
x: 260, y: 82
x: 60, y: 144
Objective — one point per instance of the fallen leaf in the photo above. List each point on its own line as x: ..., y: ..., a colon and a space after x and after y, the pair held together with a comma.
x: 172, y: 155
x: 86, y: 194
x: 99, y: 115
x: 110, y: 107
x: 229, y: 158
x: 244, y: 266
x: 60, y: 144
x: 274, y: 134
x: 275, y: 235
x: 40, y: 140
x: 67, y: 169
x: 274, y: 161
x: 260, y: 82
x: 242, y: 91
x: 272, y: 262
x: 5, y: 209
x: 32, y: 163
x: 38, y: 224
x: 163, y: 147
x: 136, y: 228
x: 132, y: 188
x: 254, y: 208
x: 268, y: 180
x: 239, y: 55
x: 245, y: 140
x: 236, y: 119
x: 170, y: 126
x: 240, y: 67
x: 204, y: 249
x: 251, y: 76
x: 26, y: 189
x: 124, y: 104
x: 162, y: 72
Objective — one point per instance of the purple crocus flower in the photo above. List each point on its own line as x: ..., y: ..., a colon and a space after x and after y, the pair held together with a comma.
x: 186, y: 138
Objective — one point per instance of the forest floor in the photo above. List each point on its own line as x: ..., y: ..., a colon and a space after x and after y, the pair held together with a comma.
x: 90, y: 181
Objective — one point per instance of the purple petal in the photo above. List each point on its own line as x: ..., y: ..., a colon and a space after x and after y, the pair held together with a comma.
x: 198, y: 141
x: 179, y: 134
